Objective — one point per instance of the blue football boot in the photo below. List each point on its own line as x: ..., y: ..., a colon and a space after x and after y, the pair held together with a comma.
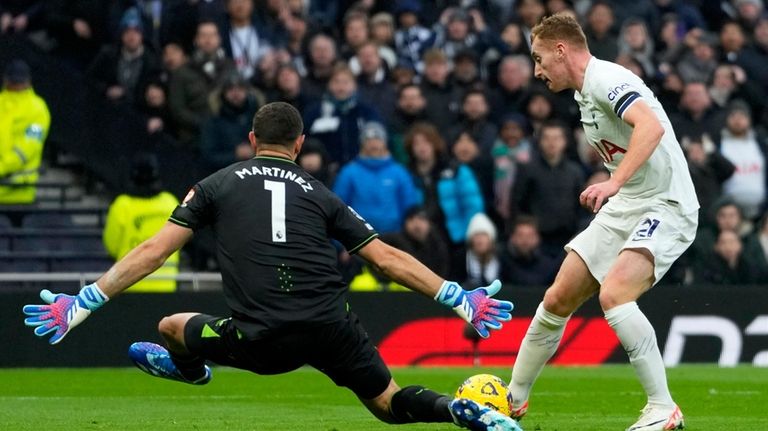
x: 155, y: 360
x: 469, y: 414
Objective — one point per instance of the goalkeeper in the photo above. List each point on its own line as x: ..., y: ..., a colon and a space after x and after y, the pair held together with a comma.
x: 273, y: 222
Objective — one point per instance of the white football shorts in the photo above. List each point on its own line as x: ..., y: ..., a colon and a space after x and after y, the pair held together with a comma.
x: 657, y: 225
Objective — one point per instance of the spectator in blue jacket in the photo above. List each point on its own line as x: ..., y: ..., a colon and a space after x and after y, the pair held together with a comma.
x: 448, y: 190
x: 374, y: 184
x: 336, y: 119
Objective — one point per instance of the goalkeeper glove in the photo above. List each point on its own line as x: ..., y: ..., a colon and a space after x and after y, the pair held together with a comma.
x: 63, y: 312
x: 476, y: 306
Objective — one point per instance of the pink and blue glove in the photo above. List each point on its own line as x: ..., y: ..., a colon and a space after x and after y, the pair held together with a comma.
x: 476, y: 306
x: 62, y: 312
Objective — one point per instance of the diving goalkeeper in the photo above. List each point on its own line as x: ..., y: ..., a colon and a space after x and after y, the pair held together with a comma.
x: 273, y: 222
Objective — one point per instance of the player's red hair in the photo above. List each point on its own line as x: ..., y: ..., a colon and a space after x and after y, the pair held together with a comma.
x: 560, y: 27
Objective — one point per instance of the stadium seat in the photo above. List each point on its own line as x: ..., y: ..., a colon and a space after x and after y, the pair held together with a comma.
x: 47, y: 219
x: 5, y: 222
x: 15, y: 263
x: 5, y: 227
x: 90, y: 243
x: 43, y: 243
x: 87, y: 263
x: 48, y: 239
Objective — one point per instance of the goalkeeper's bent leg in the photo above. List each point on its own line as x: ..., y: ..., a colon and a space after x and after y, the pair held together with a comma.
x: 171, y: 328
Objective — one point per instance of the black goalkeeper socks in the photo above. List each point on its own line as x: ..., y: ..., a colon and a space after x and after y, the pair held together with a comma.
x: 418, y: 404
x: 191, y: 367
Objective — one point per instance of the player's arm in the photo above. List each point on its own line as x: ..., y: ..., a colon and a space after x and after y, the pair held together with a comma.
x: 401, y: 267
x: 646, y: 136
x: 62, y: 312
x: 145, y: 259
x: 476, y: 306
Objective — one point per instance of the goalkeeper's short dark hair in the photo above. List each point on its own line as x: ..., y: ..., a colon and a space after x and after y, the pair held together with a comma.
x: 277, y: 123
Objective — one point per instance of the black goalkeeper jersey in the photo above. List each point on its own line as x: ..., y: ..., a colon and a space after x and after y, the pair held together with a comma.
x: 273, y: 224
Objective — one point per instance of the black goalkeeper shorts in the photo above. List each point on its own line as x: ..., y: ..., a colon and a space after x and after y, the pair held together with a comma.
x: 341, y: 350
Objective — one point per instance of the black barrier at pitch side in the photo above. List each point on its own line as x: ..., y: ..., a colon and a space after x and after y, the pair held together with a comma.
x: 713, y: 325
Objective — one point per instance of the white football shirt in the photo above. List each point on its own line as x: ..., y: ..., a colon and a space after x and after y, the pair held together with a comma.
x: 608, y: 91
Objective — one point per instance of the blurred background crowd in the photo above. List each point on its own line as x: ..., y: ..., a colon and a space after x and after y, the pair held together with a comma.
x: 425, y: 116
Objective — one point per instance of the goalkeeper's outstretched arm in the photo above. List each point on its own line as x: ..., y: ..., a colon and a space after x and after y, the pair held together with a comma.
x: 476, y: 307
x: 144, y: 259
x: 60, y: 313
x: 401, y: 267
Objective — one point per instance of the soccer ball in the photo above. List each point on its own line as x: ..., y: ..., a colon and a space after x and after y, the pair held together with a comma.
x: 488, y: 390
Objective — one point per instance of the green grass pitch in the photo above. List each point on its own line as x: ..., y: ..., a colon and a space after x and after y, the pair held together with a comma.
x: 594, y: 399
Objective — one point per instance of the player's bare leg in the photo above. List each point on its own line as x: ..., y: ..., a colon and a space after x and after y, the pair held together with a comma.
x: 171, y: 328
x: 631, y: 276
x: 380, y: 406
x: 175, y: 363
x: 573, y: 285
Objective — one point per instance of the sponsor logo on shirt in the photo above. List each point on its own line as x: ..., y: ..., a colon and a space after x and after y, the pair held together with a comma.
x: 615, y: 91
x: 607, y: 149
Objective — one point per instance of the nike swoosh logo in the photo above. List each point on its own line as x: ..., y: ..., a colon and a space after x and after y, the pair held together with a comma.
x: 647, y: 425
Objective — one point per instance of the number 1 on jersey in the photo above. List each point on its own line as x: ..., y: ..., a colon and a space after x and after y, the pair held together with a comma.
x: 277, y: 190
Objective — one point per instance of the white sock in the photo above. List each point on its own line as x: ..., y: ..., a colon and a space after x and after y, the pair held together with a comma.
x: 539, y: 344
x: 639, y: 340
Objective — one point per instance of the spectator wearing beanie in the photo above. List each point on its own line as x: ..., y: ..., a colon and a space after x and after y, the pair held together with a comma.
x: 480, y: 265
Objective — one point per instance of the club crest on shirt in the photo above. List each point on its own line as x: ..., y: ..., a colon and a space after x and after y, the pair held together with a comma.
x: 188, y: 197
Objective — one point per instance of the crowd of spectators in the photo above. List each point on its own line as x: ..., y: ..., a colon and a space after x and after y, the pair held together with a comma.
x: 426, y: 116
